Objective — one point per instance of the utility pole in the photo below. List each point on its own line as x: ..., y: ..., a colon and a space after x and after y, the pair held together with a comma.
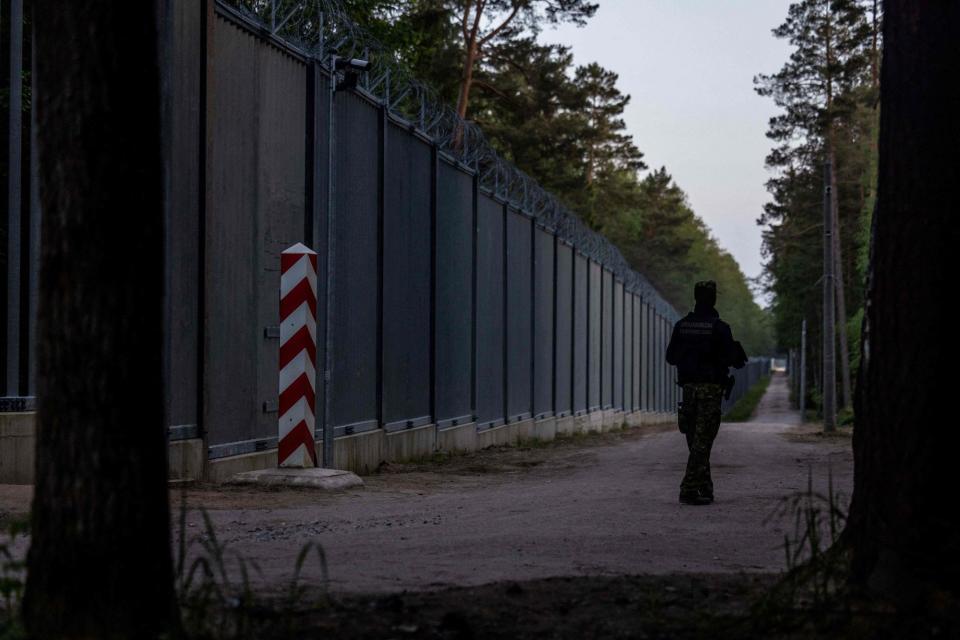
x: 829, y: 338
x: 803, y: 371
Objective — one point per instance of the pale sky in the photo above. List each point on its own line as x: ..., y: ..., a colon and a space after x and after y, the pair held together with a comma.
x: 688, y: 66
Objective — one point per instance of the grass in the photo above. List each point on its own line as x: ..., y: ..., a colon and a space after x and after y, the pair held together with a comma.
x: 473, y: 461
x: 216, y: 605
x: 12, y: 579
x: 745, y: 406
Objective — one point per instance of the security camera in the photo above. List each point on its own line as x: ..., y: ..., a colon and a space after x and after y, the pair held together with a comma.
x: 351, y: 64
x: 351, y: 69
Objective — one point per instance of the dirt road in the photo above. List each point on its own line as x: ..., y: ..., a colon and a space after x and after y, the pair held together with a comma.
x: 593, y: 506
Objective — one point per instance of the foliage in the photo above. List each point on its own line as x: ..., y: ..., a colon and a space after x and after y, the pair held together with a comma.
x: 816, y: 86
x: 827, y: 91
x: 816, y: 564
x: 12, y: 578
x: 854, y: 326
x: 215, y: 591
x: 746, y: 405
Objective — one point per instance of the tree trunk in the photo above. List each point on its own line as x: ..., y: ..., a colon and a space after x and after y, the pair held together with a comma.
x: 904, y: 525
x: 470, y: 41
x: 841, y: 315
x: 99, y: 564
x: 466, y: 82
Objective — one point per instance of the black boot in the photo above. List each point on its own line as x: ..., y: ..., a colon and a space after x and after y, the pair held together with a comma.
x: 697, y: 498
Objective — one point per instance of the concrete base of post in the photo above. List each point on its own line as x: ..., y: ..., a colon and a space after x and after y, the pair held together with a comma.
x: 360, y: 452
x: 17, y: 444
x: 459, y: 439
x: 590, y: 422
x: 545, y: 429
x: 612, y: 420
x: 566, y: 425
x: 185, y: 460
x: 315, y: 478
x: 410, y: 444
x: 505, y: 434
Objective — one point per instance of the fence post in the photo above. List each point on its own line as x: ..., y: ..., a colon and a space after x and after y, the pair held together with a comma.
x: 298, y: 357
x: 803, y: 371
x: 330, y: 246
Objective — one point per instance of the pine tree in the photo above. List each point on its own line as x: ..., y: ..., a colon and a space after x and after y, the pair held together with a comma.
x: 607, y: 149
x: 606, y: 146
x: 818, y: 90
x: 484, y: 23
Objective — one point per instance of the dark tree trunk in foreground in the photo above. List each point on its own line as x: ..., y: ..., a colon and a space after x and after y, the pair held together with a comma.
x: 99, y: 561
x: 905, y: 518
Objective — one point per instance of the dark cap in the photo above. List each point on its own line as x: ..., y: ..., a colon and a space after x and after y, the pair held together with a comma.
x: 705, y: 292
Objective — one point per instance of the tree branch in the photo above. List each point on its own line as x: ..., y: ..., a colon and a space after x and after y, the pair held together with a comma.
x: 513, y: 14
x: 481, y: 5
x: 463, y: 21
x: 489, y: 87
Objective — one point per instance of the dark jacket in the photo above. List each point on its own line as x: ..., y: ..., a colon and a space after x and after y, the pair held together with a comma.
x: 702, y: 348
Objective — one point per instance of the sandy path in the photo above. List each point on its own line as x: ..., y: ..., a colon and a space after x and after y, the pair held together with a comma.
x: 557, y: 511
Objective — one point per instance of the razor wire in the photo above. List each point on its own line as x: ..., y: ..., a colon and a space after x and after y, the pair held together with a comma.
x: 322, y: 29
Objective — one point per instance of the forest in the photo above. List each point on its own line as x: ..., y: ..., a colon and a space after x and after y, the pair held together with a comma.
x: 103, y: 561
x: 562, y: 124
x: 828, y: 92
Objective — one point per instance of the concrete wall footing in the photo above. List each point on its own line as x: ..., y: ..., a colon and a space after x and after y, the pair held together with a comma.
x: 17, y: 444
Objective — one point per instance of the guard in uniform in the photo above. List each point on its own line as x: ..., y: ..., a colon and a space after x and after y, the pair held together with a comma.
x: 702, y: 348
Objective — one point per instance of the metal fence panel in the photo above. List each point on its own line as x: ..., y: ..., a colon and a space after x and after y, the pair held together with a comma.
x: 594, y: 346
x: 581, y: 331
x: 256, y: 182
x: 519, y: 315
x: 664, y: 390
x: 563, y: 359
x: 627, y: 351
x: 182, y: 203
x: 654, y: 360
x: 671, y: 373
x: 617, y: 344
x: 454, y: 296
x: 744, y: 379
x: 182, y: 78
x: 664, y: 338
x: 355, y: 278
x: 543, y: 318
x: 638, y: 380
x: 647, y: 356
x: 490, y: 312
x: 606, y: 340
x: 657, y: 368
x: 406, y: 280
x: 671, y: 370
x: 667, y: 369
x: 658, y: 320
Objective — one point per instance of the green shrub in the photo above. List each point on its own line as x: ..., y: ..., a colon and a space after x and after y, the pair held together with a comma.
x: 745, y: 406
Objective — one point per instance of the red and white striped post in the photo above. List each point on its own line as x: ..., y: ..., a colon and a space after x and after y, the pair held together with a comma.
x: 298, y: 356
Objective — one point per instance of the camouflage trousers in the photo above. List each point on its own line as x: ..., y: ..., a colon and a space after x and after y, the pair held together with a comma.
x: 699, y: 421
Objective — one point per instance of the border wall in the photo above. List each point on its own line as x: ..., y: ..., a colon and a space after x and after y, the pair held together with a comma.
x: 451, y: 315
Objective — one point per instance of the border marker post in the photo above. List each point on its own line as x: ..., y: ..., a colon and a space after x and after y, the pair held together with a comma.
x: 298, y: 357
